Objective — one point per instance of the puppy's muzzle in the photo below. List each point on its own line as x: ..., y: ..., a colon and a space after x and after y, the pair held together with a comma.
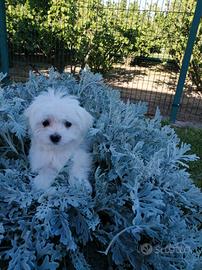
x: 55, y: 138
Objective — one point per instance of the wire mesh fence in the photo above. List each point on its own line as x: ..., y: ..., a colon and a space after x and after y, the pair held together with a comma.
x: 137, y: 45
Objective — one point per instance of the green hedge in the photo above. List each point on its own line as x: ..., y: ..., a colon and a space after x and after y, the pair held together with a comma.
x: 101, y: 34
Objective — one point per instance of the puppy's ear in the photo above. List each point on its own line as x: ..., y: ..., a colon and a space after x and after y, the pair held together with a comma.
x: 86, y: 119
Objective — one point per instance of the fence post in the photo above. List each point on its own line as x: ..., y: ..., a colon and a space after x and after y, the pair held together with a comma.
x: 186, y: 60
x: 4, y: 66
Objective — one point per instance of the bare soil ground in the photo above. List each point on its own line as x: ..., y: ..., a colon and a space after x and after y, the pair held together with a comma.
x: 152, y: 83
x: 156, y: 84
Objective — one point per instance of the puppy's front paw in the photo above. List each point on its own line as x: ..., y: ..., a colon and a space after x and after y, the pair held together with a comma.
x: 88, y: 187
x: 40, y: 182
x: 80, y: 184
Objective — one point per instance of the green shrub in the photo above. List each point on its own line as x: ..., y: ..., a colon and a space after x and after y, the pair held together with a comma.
x: 177, y: 28
x: 101, y: 34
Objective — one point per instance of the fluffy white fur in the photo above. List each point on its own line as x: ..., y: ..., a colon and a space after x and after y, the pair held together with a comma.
x: 58, y: 127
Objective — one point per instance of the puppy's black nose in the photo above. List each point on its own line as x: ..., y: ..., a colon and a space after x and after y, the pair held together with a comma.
x: 55, y: 138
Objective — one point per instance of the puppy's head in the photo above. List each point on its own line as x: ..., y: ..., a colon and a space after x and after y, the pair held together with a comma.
x: 57, y: 120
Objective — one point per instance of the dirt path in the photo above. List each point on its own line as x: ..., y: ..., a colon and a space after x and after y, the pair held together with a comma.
x: 156, y: 85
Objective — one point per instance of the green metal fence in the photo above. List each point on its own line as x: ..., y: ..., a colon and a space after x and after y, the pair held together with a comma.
x: 143, y: 48
x: 4, y: 66
x: 186, y: 60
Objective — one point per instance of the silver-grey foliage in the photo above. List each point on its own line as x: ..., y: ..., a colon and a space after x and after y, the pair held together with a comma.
x: 144, y: 210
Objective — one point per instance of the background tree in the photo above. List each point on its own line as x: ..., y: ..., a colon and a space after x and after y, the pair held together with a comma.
x: 102, y: 33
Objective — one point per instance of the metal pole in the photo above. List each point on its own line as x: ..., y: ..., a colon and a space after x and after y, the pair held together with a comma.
x: 186, y: 60
x: 4, y: 66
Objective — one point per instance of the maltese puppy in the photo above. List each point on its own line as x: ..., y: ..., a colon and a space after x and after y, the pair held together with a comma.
x: 58, y: 128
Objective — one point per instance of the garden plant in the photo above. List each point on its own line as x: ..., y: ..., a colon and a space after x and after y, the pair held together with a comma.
x: 144, y: 212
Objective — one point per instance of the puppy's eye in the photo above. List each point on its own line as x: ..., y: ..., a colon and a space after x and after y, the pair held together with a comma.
x: 46, y: 123
x: 67, y: 124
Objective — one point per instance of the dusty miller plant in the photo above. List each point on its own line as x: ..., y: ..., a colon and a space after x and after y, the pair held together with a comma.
x: 144, y: 210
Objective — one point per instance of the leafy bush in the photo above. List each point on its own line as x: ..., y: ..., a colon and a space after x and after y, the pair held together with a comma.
x: 144, y: 210
x: 177, y: 28
x: 69, y: 32
x: 101, y: 34
x: 23, y: 31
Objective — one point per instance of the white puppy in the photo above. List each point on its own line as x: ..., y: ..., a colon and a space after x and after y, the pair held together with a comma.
x: 58, y: 126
